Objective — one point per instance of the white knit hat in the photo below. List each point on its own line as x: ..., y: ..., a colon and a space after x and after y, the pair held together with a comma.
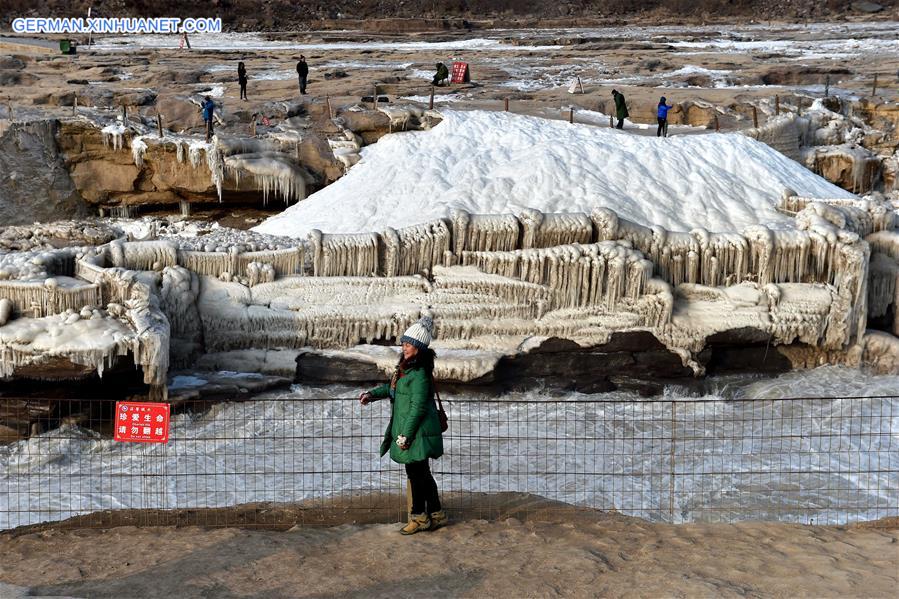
x: 420, y: 333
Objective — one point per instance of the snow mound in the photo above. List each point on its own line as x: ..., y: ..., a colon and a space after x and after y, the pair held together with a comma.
x: 496, y: 162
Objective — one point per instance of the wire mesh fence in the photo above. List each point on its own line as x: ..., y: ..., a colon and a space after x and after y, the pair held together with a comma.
x: 280, y: 462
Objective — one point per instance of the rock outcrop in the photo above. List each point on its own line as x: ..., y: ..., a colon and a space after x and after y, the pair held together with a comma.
x: 36, y: 184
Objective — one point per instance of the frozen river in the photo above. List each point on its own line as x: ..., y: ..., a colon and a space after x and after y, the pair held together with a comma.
x: 741, y: 453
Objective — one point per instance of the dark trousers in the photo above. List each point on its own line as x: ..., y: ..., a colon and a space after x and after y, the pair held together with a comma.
x: 243, y: 90
x: 209, y: 130
x: 662, y: 131
x: 620, y: 124
x: 424, y: 489
x: 302, y: 84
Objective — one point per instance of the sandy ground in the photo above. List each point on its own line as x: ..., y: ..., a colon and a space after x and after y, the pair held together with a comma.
x: 545, y: 554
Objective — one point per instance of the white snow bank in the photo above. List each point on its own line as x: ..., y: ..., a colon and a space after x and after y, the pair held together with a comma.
x: 496, y: 162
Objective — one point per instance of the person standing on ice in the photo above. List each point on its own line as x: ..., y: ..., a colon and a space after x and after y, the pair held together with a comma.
x: 242, y: 80
x: 208, y: 107
x: 620, y: 108
x: 662, y: 114
x: 414, y: 435
x: 302, y: 73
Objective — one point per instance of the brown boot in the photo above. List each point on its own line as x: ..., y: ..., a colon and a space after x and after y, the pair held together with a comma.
x: 417, y: 523
x: 438, y: 520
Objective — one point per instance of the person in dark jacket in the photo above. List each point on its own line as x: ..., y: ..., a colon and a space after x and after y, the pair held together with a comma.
x: 662, y: 113
x: 620, y: 108
x: 242, y: 80
x: 442, y: 74
x: 413, y: 435
x: 302, y: 73
x: 208, y: 107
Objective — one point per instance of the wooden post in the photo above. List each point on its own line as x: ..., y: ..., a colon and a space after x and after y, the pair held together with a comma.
x: 571, y: 116
x: 159, y: 125
x: 755, y: 117
x: 827, y: 86
x: 374, y: 97
x: 507, y: 104
x: 431, y: 101
x: 776, y: 104
x: 330, y: 110
x: 874, y: 87
x: 717, y: 125
x: 124, y: 115
x: 799, y: 107
x: 611, y: 121
x: 75, y: 105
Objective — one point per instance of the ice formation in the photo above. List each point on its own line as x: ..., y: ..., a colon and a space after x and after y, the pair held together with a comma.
x: 828, y: 143
x: 213, y: 159
x: 113, y: 135
x: 491, y: 281
x: 342, y: 255
x: 400, y: 116
x: 138, y: 149
x: 414, y: 249
x: 497, y: 274
x: 274, y: 172
x: 346, y: 150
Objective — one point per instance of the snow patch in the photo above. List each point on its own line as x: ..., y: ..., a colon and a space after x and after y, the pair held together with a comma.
x: 497, y: 163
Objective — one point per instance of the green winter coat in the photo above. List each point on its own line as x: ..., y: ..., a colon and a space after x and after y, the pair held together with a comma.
x: 413, y: 414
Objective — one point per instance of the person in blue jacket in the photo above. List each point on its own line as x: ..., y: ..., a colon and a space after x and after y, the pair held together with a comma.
x: 662, y: 113
x: 208, y: 109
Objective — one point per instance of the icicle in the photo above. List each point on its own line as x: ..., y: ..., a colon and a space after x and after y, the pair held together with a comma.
x: 273, y: 171
x: 138, y: 149
x: 113, y: 134
x: 214, y: 161
x: 547, y: 230
x: 415, y: 249
x: 51, y: 296
x: 344, y: 255
x: 144, y: 255
x: 484, y: 232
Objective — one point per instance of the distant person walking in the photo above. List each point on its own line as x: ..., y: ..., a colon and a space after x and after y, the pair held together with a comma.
x: 441, y: 75
x: 662, y: 113
x: 621, y: 112
x: 302, y: 73
x: 208, y: 107
x: 242, y: 80
x: 184, y: 41
x: 414, y: 435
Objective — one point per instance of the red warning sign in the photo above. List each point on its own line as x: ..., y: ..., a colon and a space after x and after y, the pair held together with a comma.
x: 141, y: 422
x: 460, y: 73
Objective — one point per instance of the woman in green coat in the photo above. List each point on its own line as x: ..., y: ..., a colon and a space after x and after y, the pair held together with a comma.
x: 413, y: 435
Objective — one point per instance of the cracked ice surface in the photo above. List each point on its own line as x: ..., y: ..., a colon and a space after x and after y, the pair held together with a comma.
x: 495, y: 163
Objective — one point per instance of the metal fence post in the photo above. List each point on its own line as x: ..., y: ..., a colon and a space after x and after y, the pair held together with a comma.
x: 671, y: 461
